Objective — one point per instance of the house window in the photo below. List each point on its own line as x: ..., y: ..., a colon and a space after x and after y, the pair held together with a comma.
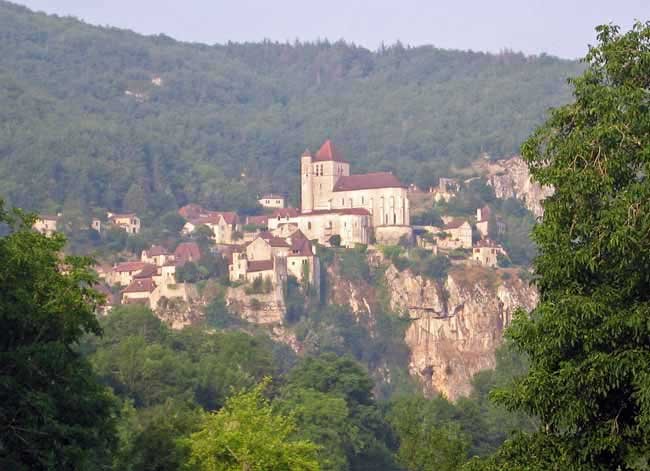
x: 309, y: 225
x: 343, y: 202
x: 362, y: 200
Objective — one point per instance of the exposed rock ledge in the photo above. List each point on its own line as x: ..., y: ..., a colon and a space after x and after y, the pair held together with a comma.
x: 458, y: 324
x: 510, y: 179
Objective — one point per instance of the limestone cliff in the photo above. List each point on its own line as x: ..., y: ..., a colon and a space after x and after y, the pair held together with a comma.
x: 265, y: 309
x: 510, y: 179
x: 457, y: 323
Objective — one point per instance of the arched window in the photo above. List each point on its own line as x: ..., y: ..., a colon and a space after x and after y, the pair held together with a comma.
x: 309, y: 225
x: 394, y: 218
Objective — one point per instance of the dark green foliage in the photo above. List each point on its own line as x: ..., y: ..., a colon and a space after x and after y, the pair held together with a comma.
x: 354, y: 264
x: 587, y: 341
x: 354, y: 432
x: 218, y: 316
x: 335, y: 240
x: 53, y: 412
x: 230, y: 121
x: 429, y: 436
x: 142, y: 360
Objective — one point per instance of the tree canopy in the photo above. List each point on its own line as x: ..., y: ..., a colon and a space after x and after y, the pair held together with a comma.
x: 587, y: 341
x: 54, y: 414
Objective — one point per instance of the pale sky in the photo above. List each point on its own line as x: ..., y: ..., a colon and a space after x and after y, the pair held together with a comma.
x: 557, y: 27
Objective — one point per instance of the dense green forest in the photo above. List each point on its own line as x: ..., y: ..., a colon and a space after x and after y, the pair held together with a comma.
x: 228, y: 121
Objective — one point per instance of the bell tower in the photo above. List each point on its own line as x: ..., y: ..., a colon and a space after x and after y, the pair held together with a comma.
x: 307, y: 183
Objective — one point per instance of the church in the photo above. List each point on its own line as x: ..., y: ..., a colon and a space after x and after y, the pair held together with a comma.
x: 354, y: 207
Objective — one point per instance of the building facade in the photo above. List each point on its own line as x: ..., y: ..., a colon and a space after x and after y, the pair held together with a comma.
x: 326, y: 184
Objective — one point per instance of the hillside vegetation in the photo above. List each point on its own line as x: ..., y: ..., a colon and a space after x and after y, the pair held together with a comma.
x: 227, y: 121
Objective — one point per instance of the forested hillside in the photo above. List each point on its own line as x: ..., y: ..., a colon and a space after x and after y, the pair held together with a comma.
x: 104, y: 118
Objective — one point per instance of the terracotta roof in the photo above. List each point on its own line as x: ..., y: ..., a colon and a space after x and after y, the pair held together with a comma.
x: 277, y: 242
x: 257, y: 220
x: 260, y: 265
x: 191, y: 211
x: 147, y: 271
x: 328, y: 152
x: 156, y: 250
x: 129, y: 266
x: 230, y: 217
x: 285, y: 213
x: 301, y: 247
x: 141, y: 285
x: 187, y: 252
x: 454, y: 224
x: 368, y: 181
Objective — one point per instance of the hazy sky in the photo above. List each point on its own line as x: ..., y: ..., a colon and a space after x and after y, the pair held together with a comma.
x: 558, y: 27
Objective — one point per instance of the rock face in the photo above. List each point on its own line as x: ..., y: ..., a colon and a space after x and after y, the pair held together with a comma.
x: 457, y: 324
x: 265, y: 309
x: 510, y: 179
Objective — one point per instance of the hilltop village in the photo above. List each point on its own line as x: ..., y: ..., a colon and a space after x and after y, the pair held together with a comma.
x: 338, y: 209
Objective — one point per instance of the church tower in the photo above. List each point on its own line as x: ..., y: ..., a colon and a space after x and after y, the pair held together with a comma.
x: 327, y: 167
x: 306, y: 179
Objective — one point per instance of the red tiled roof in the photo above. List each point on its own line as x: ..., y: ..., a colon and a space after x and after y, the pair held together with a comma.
x: 229, y: 217
x: 300, y: 248
x: 141, y: 285
x: 368, y: 181
x: 129, y: 266
x: 285, y: 213
x: 147, y: 271
x: 454, y: 224
x: 328, y: 152
x: 187, y: 252
x: 277, y: 242
x: 260, y: 265
x: 191, y: 211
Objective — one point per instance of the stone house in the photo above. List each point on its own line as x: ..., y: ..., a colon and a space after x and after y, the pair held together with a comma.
x: 224, y: 225
x: 484, y: 222
x: 96, y: 224
x: 123, y: 273
x: 272, y: 201
x: 459, y: 235
x: 45, y: 224
x: 486, y: 252
x: 272, y: 257
x: 187, y: 252
x: 156, y: 255
x: 139, y: 291
x: 129, y: 222
x: 447, y: 189
x: 353, y: 225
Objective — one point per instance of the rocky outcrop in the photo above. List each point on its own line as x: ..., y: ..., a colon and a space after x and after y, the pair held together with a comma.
x: 510, y: 179
x: 264, y: 309
x: 457, y: 323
